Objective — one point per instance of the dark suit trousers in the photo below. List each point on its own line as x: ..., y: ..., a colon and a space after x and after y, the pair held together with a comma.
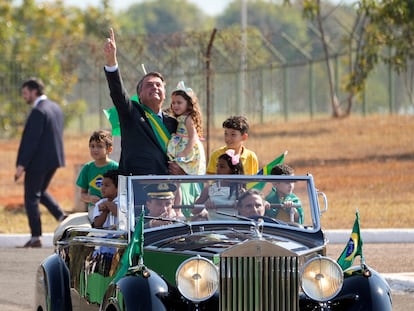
x: 35, y: 186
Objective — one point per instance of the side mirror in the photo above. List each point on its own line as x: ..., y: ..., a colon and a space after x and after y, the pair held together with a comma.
x: 323, y: 203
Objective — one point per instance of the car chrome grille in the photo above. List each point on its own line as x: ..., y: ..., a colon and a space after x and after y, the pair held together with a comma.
x: 259, y: 283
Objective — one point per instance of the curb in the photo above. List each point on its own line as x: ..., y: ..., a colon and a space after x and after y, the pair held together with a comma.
x: 342, y: 236
x: 400, y: 282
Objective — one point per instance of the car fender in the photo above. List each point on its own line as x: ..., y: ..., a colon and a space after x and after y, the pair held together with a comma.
x: 369, y: 289
x: 138, y: 292
x: 53, y: 285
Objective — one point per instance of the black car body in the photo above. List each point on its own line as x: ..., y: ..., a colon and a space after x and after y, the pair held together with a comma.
x: 229, y: 263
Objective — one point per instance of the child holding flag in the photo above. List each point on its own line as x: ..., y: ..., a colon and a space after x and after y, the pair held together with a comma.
x: 282, y: 193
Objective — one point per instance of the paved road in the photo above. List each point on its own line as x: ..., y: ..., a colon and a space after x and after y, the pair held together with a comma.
x: 18, y: 269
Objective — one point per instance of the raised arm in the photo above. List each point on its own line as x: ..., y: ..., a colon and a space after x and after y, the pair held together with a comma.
x: 118, y: 93
x: 110, y: 50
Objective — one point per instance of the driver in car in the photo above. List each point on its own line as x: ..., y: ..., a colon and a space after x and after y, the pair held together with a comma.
x: 159, y: 204
x: 251, y: 204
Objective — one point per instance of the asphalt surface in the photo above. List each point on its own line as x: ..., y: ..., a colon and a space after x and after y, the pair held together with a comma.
x: 18, y: 270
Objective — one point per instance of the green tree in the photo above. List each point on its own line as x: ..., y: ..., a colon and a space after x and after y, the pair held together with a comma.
x: 387, y: 37
x: 272, y: 21
x: 381, y: 32
x: 162, y: 17
x: 43, y: 41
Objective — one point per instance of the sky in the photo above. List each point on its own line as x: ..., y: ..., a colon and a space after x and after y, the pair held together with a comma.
x: 211, y: 7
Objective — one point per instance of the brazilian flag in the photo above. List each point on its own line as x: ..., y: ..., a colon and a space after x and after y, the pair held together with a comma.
x: 353, y: 248
x: 268, y: 167
x: 112, y: 116
x: 265, y: 170
x: 135, y: 248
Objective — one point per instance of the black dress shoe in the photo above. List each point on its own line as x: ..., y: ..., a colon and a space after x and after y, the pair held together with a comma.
x: 36, y: 243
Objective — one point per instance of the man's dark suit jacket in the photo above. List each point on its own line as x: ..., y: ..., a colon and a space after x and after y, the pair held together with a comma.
x: 41, y: 146
x: 141, y: 153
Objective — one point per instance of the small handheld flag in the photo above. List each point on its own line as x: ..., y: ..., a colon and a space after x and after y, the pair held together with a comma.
x: 265, y: 170
x: 353, y: 247
x: 268, y: 167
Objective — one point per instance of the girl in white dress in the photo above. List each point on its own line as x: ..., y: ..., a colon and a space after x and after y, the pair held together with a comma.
x: 185, y: 146
x: 222, y: 196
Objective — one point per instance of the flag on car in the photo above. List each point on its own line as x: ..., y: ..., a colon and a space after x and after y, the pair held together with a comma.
x: 353, y: 247
x: 135, y: 248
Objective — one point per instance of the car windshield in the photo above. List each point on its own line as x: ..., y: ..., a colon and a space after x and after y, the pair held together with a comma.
x: 289, y: 201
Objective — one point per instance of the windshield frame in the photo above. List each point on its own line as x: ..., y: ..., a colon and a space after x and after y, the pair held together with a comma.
x: 127, y: 211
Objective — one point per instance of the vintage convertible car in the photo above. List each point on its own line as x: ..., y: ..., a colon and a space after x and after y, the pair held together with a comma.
x: 213, y: 260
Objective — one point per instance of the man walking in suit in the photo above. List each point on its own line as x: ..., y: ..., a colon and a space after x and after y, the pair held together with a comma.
x: 145, y: 129
x: 40, y: 155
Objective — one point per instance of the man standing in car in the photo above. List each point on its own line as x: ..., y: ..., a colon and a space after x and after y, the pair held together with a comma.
x: 145, y: 129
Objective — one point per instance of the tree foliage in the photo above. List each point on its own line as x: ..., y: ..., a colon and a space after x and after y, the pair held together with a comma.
x: 382, y: 32
x: 390, y: 32
x: 60, y: 43
x: 272, y: 21
x: 162, y: 17
x: 42, y: 40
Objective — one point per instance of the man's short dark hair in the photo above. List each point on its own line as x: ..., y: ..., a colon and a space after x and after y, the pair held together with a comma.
x: 34, y: 84
x: 248, y: 193
x: 149, y: 74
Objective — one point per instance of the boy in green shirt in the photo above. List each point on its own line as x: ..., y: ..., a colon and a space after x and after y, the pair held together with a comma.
x: 91, y: 175
x: 282, y: 193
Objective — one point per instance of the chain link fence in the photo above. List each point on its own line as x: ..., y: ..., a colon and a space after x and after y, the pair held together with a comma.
x: 266, y: 77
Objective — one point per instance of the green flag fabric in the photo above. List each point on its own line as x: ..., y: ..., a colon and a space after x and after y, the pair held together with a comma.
x: 353, y: 247
x: 112, y: 115
x: 135, y: 248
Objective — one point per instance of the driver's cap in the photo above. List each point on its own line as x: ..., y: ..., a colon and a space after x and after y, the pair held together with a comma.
x: 162, y: 191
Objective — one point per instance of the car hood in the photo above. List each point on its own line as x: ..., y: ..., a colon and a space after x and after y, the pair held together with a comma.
x: 222, y: 240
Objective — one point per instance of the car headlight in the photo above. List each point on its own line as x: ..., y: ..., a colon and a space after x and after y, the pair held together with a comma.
x: 197, y: 279
x: 322, y: 278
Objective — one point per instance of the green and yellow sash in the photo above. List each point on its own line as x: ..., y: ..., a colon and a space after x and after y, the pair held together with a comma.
x: 160, y: 131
